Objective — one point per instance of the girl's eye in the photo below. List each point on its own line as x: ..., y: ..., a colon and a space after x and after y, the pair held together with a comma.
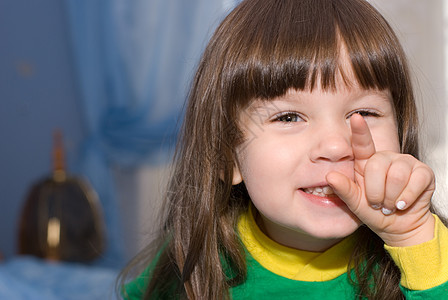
x: 288, y: 117
x: 365, y: 113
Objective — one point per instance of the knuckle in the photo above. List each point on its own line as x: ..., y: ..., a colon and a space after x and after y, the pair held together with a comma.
x: 375, y: 198
x: 408, y: 157
x: 396, y: 175
x: 425, y: 172
x: 375, y: 194
x: 429, y: 172
x: 374, y: 164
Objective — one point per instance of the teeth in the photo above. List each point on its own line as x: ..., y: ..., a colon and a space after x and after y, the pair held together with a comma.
x: 328, y: 190
x: 320, y: 191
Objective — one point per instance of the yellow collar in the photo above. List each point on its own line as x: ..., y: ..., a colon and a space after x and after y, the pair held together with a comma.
x: 292, y: 263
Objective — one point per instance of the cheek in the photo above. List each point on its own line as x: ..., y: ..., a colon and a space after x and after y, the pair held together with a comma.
x: 262, y: 164
x: 255, y: 164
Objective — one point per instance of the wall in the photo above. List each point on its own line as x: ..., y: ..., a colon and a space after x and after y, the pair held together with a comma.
x: 37, y: 94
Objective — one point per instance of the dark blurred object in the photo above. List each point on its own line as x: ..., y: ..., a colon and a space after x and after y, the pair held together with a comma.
x: 61, y: 219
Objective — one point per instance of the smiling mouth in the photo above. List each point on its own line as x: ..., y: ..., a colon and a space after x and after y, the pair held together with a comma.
x: 323, y: 196
x: 321, y: 191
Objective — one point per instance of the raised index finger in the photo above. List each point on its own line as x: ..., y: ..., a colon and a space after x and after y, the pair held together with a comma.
x: 362, y: 142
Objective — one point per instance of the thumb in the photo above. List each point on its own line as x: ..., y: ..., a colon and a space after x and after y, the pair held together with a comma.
x: 346, y: 189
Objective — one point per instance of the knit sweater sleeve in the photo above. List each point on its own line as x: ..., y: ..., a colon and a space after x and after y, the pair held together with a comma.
x: 424, y: 267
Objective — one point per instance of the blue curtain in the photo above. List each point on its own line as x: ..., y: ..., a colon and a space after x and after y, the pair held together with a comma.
x: 134, y: 61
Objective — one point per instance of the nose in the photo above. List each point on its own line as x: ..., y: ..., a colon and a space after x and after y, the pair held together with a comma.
x: 332, y: 143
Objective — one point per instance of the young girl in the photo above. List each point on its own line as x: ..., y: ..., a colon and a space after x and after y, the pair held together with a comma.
x: 297, y: 172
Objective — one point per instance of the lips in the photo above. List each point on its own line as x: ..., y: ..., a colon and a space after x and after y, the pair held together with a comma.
x: 323, y: 196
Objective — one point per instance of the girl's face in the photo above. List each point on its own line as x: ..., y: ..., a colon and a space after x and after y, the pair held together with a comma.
x: 291, y: 144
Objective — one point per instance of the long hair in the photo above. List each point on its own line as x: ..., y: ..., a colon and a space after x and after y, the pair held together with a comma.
x: 260, y: 50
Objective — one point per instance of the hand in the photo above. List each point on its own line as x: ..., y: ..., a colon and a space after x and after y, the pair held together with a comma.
x: 390, y: 193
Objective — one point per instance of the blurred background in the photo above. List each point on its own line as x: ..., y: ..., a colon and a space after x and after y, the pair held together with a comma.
x: 112, y: 76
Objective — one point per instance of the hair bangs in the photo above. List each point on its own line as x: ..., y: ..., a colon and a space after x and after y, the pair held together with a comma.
x: 309, y: 49
x: 376, y: 57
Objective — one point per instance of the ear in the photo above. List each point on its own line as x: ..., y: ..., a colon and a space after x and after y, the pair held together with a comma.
x: 237, y: 177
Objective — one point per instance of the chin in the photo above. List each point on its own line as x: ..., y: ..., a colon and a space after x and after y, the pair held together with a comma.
x: 334, y: 230
x: 333, y: 234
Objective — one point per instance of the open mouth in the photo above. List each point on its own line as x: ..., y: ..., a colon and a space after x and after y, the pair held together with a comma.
x: 321, y: 191
x: 323, y: 196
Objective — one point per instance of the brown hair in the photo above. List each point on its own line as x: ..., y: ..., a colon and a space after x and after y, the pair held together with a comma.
x: 260, y: 50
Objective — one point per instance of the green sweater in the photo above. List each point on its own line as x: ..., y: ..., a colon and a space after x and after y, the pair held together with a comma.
x: 263, y: 284
x: 277, y: 272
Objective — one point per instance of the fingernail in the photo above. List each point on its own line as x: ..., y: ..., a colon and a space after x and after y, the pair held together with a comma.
x: 376, y: 206
x: 386, y: 211
x: 401, y: 204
